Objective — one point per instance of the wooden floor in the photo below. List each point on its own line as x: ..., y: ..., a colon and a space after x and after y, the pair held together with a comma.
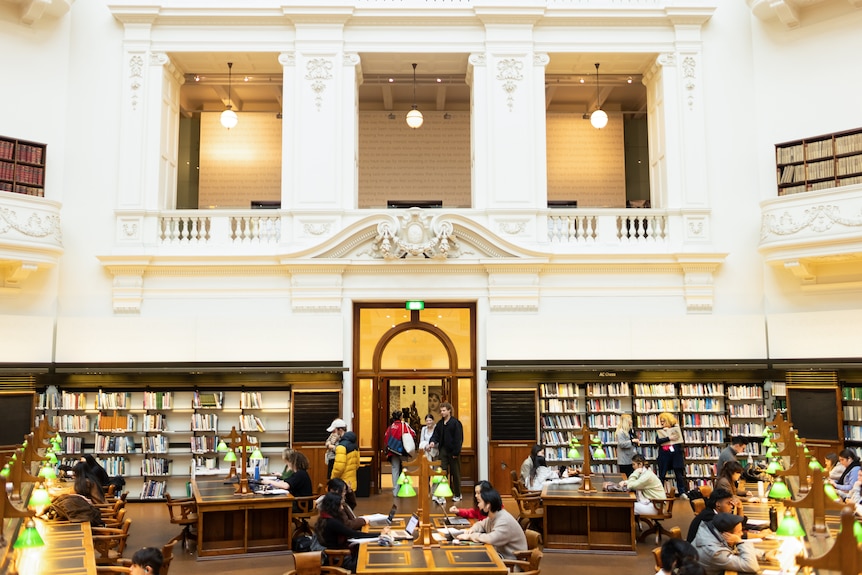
x: 150, y: 527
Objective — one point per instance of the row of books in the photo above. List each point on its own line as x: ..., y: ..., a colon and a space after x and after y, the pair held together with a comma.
x: 250, y: 400
x: 116, y: 423
x: 704, y: 420
x: 204, y: 421
x: 853, y: 412
x: 7, y: 149
x: 155, y: 422
x: 849, y: 165
x: 560, y: 405
x: 747, y: 429
x: 738, y: 392
x: 714, y: 436
x: 603, y: 420
x: 114, y: 444
x: 559, y: 389
x: 32, y: 175
x: 703, y: 404
x: 561, y: 421
x: 604, y: 404
x: 611, y: 389
x: 71, y: 423
x: 702, y: 451
x: 848, y: 144
x: 68, y: 401
x: 656, y: 405
x: 251, y: 423
x: 158, y: 400
x: 655, y: 389
x: 30, y: 154
x: 851, y: 393
x: 113, y: 400
x: 700, y: 469
x: 155, y: 444
x: 208, y: 400
x: 155, y: 466
x: 204, y: 443
x: 791, y: 174
x: 28, y: 190
x: 747, y: 410
x: 114, y: 465
x: 152, y: 489
x: 702, y: 389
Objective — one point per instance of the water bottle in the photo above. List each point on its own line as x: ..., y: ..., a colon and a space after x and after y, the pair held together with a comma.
x: 773, y: 519
x: 257, y: 471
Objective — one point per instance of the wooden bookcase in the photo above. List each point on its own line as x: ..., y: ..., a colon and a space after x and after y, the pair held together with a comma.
x: 819, y: 163
x: 561, y: 413
x: 22, y: 167
x: 704, y: 426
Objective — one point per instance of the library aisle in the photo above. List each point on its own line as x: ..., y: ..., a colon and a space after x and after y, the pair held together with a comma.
x: 150, y: 527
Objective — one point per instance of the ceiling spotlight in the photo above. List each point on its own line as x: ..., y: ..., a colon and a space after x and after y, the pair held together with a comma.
x: 447, y: 116
x: 391, y: 116
x: 197, y: 78
x: 391, y: 80
x: 629, y: 80
x: 246, y: 79
x: 439, y: 80
x: 581, y: 80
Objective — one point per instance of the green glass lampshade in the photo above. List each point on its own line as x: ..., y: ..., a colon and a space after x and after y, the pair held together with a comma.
x: 48, y: 472
x: 767, y: 442
x: 5, y: 471
x: 403, y: 479
x: 779, y: 490
x: 29, y: 537
x: 52, y: 458
x: 789, y: 526
x: 256, y: 455
x: 40, y: 498
x: 814, y: 464
x: 767, y: 431
x: 222, y: 446
x: 857, y: 531
x: 230, y: 456
x: 573, y: 453
x: 435, y: 479
x: 773, y: 467
x: 830, y: 492
x: 406, y: 490
x: 599, y: 453
x: 805, y: 450
x: 57, y: 438
x: 771, y: 452
x: 443, y: 489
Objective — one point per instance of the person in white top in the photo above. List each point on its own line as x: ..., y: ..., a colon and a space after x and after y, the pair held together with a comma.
x: 425, y: 437
x: 541, y: 474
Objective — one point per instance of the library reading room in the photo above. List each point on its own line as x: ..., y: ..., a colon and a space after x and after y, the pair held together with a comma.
x: 430, y: 286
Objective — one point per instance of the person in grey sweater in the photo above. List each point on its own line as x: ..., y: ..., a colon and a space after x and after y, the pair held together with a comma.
x: 720, y: 546
x: 730, y: 453
x: 499, y: 529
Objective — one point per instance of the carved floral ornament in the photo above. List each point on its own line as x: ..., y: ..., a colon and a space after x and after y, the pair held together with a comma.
x: 817, y: 218
x: 415, y: 235
x: 32, y: 225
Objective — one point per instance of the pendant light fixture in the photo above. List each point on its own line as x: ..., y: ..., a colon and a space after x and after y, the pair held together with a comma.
x: 414, y: 116
x: 228, y: 117
x: 599, y: 118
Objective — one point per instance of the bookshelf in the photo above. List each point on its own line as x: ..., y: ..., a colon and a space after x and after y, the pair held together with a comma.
x: 649, y: 401
x: 22, y: 167
x: 747, y: 411
x: 561, y: 415
x: 851, y: 400
x: 704, y: 424
x: 605, y: 402
x: 819, y: 163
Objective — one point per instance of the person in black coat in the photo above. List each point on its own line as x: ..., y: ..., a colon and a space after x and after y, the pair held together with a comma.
x: 719, y: 501
x: 332, y: 533
x: 449, y: 437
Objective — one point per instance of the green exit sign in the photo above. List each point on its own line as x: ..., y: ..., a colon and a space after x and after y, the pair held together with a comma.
x: 415, y: 305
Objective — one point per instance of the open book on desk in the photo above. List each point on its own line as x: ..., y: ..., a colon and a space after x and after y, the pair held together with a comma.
x: 267, y: 490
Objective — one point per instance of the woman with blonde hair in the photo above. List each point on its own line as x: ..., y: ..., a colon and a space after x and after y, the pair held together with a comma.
x: 627, y: 443
x: 670, y: 451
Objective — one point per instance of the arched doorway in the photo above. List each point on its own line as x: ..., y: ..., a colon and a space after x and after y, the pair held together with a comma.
x: 413, y: 359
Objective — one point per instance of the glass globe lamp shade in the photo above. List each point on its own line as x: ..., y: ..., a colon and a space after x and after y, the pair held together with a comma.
x: 443, y: 489
x: 29, y: 537
x: 230, y: 456
x: 40, y: 498
x: 789, y: 526
x: 48, y: 472
x: 406, y: 490
x: 599, y: 453
x: 573, y: 453
x: 228, y: 118
x: 415, y: 118
x: 773, y: 467
x: 222, y: 446
x: 814, y: 464
x: 599, y: 119
x: 779, y: 490
x: 256, y: 455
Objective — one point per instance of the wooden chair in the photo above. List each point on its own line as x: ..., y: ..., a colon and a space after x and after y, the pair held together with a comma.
x: 110, y: 543
x: 115, y: 520
x: 183, y: 512
x: 125, y: 565
x: 529, y: 564
x: 675, y: 533
x: 519, y: 485
x: 304, y: 508
x: 310, y: 564
x: 530, y: 509
x: 698, y: 505
x: 336, y: 557
x: 663, y: 511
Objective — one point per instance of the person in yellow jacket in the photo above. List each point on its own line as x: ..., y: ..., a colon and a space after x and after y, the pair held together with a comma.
x: 347, y: 459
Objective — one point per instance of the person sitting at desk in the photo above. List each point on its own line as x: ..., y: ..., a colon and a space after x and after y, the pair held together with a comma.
x: 529, y: 462
x: 348, y: 517
x: 299, y: 482
x: 287, y: 471
x: 499, y: 528
x: 844, y: 484
x: 332, y: 532
x: 87, y: 485
x: 834, y: 468
x: 541, y: 474
x: 473, y: 512
x: 679, y: 558
x: 719, y: 501
x: 728, y: 478
x: 720, y: 546
x: 645, y: 484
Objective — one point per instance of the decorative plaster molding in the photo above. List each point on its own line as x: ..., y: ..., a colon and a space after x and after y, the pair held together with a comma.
x: 818, y: 219
x: 33, y: 224
x: 698, y: 284
x: 318, y: 72
x: 136, y: 78
x: 688, y: 72
x: 18, y: 273
x: 477, y: 59
x: 31, y: 11
x: 696, y: 228
x: 541, y: 59
x: 415, y: 237
x: 129, y: 228
x: 128, y: 288
x: 509, y: 72
x: 317, y: 228
x: 512, y: 227
x: 287, y: 59
x: 789, y: 12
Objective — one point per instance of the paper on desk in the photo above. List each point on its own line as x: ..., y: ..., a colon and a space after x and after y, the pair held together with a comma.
x: 752, y: 540
x: 374, y: 517
x: 451, y: 531
x: 273, y: 491
x: 363, y: 540
x: 758, y: 522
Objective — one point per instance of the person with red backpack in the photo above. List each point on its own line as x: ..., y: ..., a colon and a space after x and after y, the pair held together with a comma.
x: 394, y: 442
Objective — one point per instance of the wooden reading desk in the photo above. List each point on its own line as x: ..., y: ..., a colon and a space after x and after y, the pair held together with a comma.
x: 593, y: 522
x: 407, y: 559
x: 230, y: 524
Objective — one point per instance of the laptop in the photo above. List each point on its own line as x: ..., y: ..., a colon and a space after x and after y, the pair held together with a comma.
x: 387, y: 521
x: 408, y: 531
x: 451, y: 521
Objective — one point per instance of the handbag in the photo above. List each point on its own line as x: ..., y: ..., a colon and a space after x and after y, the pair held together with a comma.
x: 407, y: 441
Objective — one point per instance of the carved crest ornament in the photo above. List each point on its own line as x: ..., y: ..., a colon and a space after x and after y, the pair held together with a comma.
x: 415, y: 235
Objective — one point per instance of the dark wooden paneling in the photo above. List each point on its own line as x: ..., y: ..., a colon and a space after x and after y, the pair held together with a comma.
x: 313, y: 411
x: 512, y: 415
